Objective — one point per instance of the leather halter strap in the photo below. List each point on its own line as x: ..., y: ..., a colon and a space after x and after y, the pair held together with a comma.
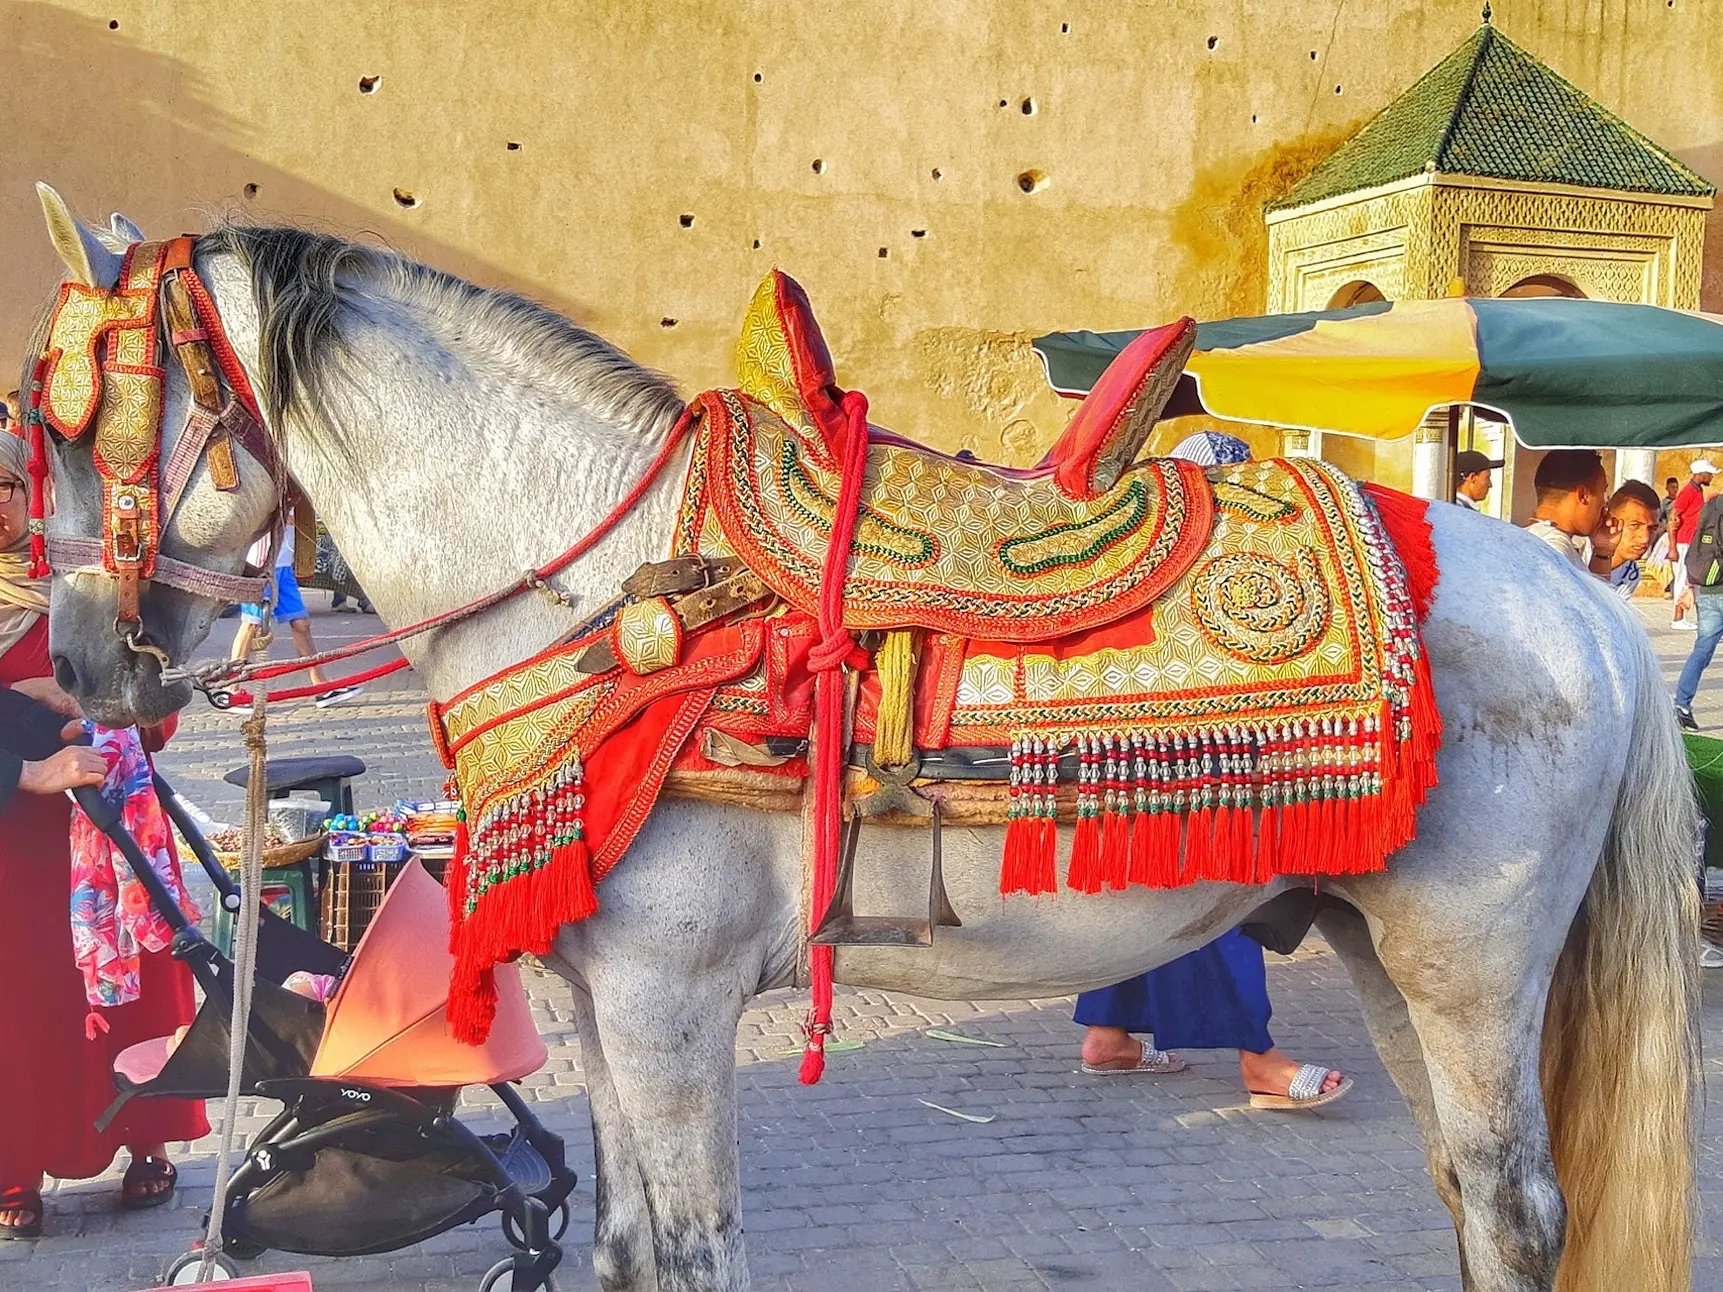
x: 128, y: 548
x: 84, y: 556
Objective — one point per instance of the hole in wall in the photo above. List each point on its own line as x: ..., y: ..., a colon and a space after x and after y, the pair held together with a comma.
x: 1065, y: 27
x: 1313, y: 56
x: 250, y: 190
x: 1213, y: 41
x: 685, y: 220
x: 884, y: 252
x: 513, y: 145
x: 1337, y: 89
x: 1253, y: 118
x: 756, y: 244
x: 667, y: 322
x: 758, y: 77
x: 918, y: 233
x: 1027, y: 107
x: 406, y: 199
x: 819, y: 165
x: 369, y: 84
x: 937, y: 173
x: 1032, y: 181
x: 113, y: 24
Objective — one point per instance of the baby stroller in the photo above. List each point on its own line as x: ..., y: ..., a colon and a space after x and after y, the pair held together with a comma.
x: 366, y: 1155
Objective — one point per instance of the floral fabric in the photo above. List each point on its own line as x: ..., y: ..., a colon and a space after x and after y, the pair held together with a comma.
x: 112, y: 919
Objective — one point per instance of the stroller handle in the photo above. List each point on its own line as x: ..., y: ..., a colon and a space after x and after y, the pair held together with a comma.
x: 218, y: 873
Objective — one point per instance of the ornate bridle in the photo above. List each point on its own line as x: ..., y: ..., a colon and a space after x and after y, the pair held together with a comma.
x: 102, y: 366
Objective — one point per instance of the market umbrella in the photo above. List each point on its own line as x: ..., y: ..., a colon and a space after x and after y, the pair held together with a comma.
x: 1564, y: 373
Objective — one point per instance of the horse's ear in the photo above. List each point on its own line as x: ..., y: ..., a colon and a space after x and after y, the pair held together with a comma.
x: 87, y: 260
x: 124, y: 229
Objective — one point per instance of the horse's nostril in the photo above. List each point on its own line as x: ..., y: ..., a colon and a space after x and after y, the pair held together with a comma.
x: 65, y: 675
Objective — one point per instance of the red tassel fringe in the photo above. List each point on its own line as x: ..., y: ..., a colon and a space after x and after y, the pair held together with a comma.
x: 1084, y: 874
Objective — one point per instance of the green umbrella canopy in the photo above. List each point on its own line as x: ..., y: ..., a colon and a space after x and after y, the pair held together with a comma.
x: 1563, y: 373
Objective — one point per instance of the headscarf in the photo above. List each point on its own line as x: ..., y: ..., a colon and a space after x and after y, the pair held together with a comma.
x: 1211, y: 449
x: 23, y: 600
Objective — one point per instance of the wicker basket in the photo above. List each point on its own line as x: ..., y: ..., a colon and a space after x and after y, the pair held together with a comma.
x: 287, y: 854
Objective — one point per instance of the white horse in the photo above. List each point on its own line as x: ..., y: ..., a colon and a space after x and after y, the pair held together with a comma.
x: 1525, y: 966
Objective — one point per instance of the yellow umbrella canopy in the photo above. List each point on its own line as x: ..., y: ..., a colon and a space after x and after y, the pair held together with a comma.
x: 1562, y: 373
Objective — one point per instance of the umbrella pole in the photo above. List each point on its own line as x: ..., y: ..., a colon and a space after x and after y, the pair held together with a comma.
x: 1450, y: 466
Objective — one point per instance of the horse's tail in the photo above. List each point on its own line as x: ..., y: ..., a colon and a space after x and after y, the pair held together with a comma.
x: 1620, y: 1059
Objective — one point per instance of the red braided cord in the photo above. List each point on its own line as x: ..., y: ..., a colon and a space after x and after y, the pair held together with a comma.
x: 835, y: 649
x: 318, y: 688
x: 591, y: 539
x: 37, y: 468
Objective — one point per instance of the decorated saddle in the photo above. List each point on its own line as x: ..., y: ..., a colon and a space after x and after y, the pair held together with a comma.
x: 1191, y: 674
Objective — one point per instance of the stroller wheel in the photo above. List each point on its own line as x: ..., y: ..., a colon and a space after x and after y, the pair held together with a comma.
x: 242, y: 1249
x: 500, y: 1278
x: 183, y: 1271
x: 517, y: 1240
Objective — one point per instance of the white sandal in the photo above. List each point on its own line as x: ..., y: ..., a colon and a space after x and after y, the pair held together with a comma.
x: 1153, y: 1062
x: 1304, y: 1091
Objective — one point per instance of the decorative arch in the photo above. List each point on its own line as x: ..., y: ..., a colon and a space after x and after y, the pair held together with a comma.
x: 1545, y: 285
x: 1359, y: 291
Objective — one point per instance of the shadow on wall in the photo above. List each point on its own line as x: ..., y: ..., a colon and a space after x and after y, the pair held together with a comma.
x: 86, y: 109
x: 1708, y: 161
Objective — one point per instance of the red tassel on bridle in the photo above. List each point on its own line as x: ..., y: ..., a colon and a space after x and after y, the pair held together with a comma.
x: 38, y: 470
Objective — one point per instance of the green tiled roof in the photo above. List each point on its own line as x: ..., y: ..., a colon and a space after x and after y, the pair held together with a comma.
x: 1492, y: 110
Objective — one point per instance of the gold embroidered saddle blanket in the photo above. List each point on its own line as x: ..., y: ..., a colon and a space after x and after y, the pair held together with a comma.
x: 1206, y: 674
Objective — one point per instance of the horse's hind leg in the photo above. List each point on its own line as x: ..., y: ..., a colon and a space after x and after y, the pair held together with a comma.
x: 622, y: 1237
x: 1390, y: 1024
x: 1476, y: 1000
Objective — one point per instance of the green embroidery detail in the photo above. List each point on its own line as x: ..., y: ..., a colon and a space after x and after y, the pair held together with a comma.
x: 1252, y: 504
x: 875, y: 535
x: 1032, y: 554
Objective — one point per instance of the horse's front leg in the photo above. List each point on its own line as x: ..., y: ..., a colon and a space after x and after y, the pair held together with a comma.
x: 669, y: 1041
x: 680, y: 945
x: 622, y: 1254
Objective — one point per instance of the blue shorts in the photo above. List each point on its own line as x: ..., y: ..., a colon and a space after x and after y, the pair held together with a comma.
x: 289, y: 605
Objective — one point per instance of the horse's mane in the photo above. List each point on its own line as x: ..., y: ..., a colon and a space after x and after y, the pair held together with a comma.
x: 311, y: 287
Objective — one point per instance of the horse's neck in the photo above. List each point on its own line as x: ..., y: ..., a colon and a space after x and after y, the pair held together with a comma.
x: 444, y: 485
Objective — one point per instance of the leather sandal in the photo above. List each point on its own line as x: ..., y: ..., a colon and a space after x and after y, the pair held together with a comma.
x: 20, y: 1201
x: 1150, y: 1062
x: 1305, y: 1091
x: 144, y: 1171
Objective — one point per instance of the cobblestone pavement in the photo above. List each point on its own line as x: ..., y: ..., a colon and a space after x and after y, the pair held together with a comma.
x: 1144, y: 1184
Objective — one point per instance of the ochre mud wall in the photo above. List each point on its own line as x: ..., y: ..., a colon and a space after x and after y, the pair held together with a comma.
x: 946, y: 179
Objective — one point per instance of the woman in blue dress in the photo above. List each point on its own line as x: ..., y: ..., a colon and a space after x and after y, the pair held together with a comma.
x: 1214, y: 998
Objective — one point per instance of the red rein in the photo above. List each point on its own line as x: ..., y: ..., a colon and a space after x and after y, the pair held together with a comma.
x: 587, y: 542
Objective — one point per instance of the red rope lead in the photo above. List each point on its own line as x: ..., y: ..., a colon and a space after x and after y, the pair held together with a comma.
x: 827, y: 659
x: 318, y: 688
x: 556, y: 565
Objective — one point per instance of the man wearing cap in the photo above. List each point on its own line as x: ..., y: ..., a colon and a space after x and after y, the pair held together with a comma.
x: 1683, y: 524
x: 1472, y: 478
x: 1572, y: 488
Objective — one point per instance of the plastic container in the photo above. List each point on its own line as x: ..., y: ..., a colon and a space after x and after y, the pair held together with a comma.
x: 388, y: 848
x: 297, y: 818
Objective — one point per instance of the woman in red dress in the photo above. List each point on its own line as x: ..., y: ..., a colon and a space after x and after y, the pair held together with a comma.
x: 53, y: 1082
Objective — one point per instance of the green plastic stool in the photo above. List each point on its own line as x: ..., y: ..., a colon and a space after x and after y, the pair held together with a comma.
x: 290, y: 883
x: 1705, y: 757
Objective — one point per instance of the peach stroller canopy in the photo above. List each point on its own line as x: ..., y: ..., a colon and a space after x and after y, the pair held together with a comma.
x: 385, y: 1023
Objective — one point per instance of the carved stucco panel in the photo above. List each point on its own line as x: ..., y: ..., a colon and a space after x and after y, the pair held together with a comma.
x: 1378, y: 240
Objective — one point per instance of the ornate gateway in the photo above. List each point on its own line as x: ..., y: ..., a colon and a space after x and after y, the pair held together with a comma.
x: 1195, y: 674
